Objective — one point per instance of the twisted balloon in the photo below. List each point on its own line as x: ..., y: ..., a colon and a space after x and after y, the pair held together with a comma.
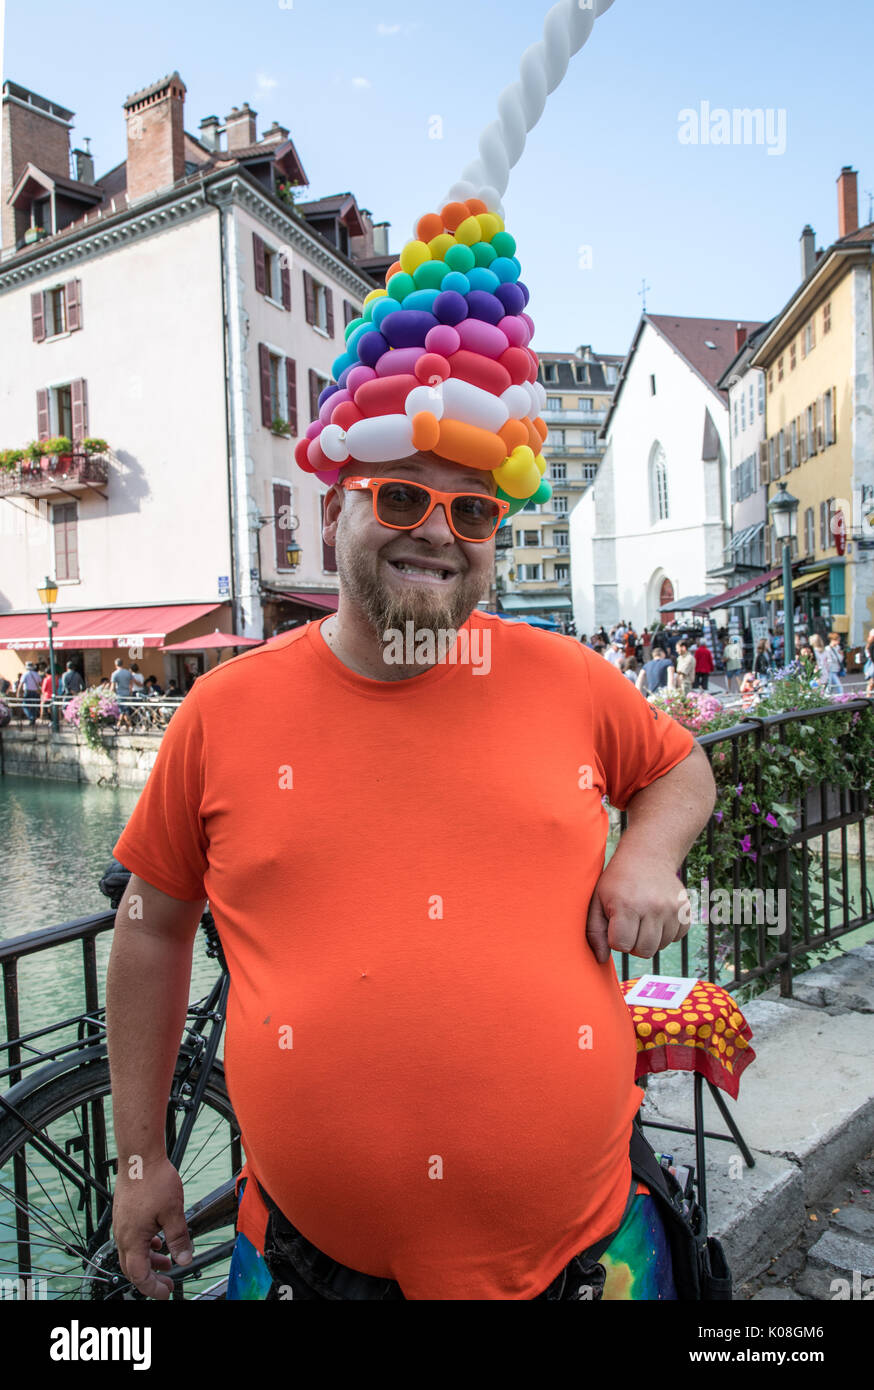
x: 520, y: 106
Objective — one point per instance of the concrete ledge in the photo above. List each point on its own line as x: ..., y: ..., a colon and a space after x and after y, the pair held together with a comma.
x: 124, y: 761
x: 805, y: 1108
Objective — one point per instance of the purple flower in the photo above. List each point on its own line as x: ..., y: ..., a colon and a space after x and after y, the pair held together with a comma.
x: 754, y: 808
x: 771, y: 820
x: 746, y: 844
x: 717, y: 816
x: 739, y: 788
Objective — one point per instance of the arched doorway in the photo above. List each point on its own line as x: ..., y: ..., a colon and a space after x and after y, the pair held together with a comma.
x: 666, y: 596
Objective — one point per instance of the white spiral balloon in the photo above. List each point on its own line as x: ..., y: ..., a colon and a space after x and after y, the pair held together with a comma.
x: 520, y: 106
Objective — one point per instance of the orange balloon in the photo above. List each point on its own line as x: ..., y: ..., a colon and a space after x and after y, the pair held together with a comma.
x: 533, y: 441
x: 476, y: 205
x: 429, y: 226
x: 513, y: 433
x: 470, y: 445
x: 542, y: 429
x: 426, y: 431
x: 453, y: 214
x: 392, y: 270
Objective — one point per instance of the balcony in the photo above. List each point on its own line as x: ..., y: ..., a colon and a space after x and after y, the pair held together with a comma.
x: 56, y: 473
x: 573, y: 417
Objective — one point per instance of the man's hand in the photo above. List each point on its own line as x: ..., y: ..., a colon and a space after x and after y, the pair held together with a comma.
x: 636, y: 907
x: 142, y: 1207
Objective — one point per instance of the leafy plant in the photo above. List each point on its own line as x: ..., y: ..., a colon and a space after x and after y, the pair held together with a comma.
x: 34, y: 450
x: 758, y: 807
x: 280, y: 426
x: 10, y: 458
x: 58, y: 444
x: 93, y: 445
x: 90, y: 712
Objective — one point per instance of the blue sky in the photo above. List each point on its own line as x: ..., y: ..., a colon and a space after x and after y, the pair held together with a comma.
x: 714, y: 229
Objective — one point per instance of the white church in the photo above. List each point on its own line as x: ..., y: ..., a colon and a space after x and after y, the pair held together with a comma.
x: 656, y: 520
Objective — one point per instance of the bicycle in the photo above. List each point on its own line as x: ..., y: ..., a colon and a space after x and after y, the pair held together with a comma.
x: 57, y: 1152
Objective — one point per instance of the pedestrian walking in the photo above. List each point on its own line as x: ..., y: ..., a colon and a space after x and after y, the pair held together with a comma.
x: 833, y: 664
x: 763, y: 665
x: 703, y: 665
x: 686, y: 669
x: 121, y: 681
x: 28, y: 691
x: 655, y: 673
x: 45, y: 695
x: 70, y: 684
x: 733, y: 655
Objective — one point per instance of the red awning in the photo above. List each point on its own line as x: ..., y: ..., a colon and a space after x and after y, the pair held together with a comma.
x: 328, y: 602
x: 100, y: 627
x: 724, y: 600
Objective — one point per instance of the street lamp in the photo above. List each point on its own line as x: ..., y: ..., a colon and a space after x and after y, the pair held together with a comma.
x: 48, y: 595
x: 783, y: 508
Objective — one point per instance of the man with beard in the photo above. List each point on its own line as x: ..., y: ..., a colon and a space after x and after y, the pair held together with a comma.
x: 427, y: 1048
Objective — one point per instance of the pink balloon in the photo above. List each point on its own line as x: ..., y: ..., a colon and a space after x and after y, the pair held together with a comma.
x: 530, y: 322
x: 314, y: 430
x: 358, y: 376
x: 517, y: 331
x: 399, y: 361
x: 328, y: 476
x: 478, y: 336
x: 327, y: 406
x: 443, y: 339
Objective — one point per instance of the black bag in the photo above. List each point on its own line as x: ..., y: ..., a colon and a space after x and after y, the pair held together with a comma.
x: 701, y: 1271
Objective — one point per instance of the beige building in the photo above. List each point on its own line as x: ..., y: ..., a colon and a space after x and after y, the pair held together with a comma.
x: 165, y: 331
x: 533, y: 561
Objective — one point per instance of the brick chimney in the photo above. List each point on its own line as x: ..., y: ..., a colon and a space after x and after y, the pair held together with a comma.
x: 240, y: 126
x: 35, y: 131
x: 740, y: 337
x: 808, y: 251
x: 275, y: 135
x: 155, y: 137
x: 848, y: 201
x: 84, y: 164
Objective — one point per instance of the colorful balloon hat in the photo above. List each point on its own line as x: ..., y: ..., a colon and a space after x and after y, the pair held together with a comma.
x: 440, y: 360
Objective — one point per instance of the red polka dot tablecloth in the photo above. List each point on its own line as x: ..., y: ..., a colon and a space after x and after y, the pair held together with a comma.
x: 707, y: 1033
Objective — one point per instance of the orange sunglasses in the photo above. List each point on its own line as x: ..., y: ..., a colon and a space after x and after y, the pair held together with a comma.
x: 402, y: 505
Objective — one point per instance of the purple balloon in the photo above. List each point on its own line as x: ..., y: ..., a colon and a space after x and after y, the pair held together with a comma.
x: 406, y: 328
x: 450, y: 307
x: 370, y: 347
x: 341, y: 379
x: 524, y: 289
x: 326, y: 394
x: 511, y: 297
x: 482, y: 304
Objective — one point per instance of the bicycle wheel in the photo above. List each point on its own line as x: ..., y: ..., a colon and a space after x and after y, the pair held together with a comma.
x: 55, y: 1188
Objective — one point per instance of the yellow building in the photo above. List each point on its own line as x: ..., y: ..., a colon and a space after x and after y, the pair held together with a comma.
x: 819, y: 423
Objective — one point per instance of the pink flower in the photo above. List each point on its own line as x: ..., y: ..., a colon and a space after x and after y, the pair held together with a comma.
x: 746, y: 844
x: 770, y: 820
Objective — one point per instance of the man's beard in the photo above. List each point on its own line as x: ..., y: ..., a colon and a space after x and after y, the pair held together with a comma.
x: 358, y: 569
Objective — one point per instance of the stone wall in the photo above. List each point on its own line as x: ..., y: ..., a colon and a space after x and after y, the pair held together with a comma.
x: 125, y: 761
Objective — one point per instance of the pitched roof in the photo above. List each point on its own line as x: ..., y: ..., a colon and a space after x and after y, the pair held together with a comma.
x: 690, y: 337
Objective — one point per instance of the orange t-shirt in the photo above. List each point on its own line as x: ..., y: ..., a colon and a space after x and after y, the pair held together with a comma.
x: 400, y: 873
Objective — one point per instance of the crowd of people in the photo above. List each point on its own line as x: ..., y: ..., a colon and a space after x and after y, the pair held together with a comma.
x: 35, y: 689
x: 674, y: 658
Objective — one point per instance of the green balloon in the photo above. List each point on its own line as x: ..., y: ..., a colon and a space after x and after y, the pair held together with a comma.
x: 356, y: 323
x: 460, y: 257
x: 428, y: 276
x: 543, y: 493
x: 504, y: 244
x: 400, y: 285
x: 484, y: 252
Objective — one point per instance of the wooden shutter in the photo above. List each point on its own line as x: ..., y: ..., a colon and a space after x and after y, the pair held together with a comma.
x: 79, y: 404
x: 281, y: 498
x: 38, y: 316
x: 66, y: 537
x: 42, y: 414
x: 349, y: 313
x: 834, y: 395
x: 264, y: 375
x: 763, y: 461
x: 291, y: 392
x: 309, y: 297
x: 260, y: 271
x: 73, y: 296
x: 820, y: 424
x: 329, y: 302
x: 802, y: 439
x: 285, y: 281
x: 314, y: 395
x: 329, y: 554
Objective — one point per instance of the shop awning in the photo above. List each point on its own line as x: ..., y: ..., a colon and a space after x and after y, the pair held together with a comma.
x: 324, y: 602
x: 100, y: 627
x: 731, y: 596
x: 684, y: 605
x: 532, y: 603
x: 802, y: 582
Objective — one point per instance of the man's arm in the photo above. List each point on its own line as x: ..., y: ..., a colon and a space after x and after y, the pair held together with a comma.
x: 637, y: 900
x: 146, y: 1001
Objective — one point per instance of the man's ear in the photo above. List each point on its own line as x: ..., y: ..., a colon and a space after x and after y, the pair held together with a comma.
x: 333, y: 507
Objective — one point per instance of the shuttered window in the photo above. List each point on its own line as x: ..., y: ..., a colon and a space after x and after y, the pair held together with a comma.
x: 318, y: 304
x: 350, y: 312
x: 42, y: 415
x: 66, y: 538
x: 291, y: 392
x: 282, y: 530
x: 79, y: 407
x: 285, y: 282
x: 73, y: 304
x: 264, y: 384
x: 38, y: 319
x: 260, y: 266
x: 329, y: 554
x: 317, y: 385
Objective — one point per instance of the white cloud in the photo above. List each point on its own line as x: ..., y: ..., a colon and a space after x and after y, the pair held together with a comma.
x: 360, y: 82
x: 265, y: 83
x: 388, y: 28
